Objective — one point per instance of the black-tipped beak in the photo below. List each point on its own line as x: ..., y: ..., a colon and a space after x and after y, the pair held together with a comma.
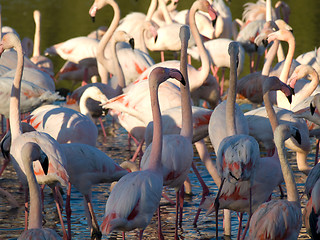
x: 45, y: 165
x: 183, y: 81
x: 297, y: 136
x: 292, y: 90
x: 265, y: 42
x: 93, y: 19
x: 289, y: 98
x: 214, y: 22
x: 155, y: 39
x: 131, y: 42
x: 312, y: 109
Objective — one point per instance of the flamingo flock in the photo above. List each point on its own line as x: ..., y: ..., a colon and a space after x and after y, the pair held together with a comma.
x: 189, y: 125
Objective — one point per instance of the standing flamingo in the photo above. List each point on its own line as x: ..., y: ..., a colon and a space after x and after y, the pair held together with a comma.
x: 177, y: 150
x: 136, y: 196
x: 31, y: 152
x: 237, y: 152
x: 280, y: 219
x: 56, y: 173
x: 134, y: 61
x: 202, y: 84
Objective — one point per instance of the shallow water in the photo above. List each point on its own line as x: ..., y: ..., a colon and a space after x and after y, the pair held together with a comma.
x: 12, y: 220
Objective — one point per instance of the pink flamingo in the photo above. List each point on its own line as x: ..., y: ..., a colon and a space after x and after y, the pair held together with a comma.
x: 136, y: 196
x: 268, y: 175
x: 311, y: 58
x: 311, y: 213
x: 86, y: 166
x: 202, y: 84
x: 266, y: 220
x: 237, y: 152
x: 56, y: 173
x: 44, y: 63
x: 31, y: 152
x: 134, y: 62
x: 177, y: 150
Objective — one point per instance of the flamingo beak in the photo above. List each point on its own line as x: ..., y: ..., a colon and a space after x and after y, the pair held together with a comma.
x: 93, y: 12
x: 131, y: 42
x: 45, y: 164
x: 297, y: 136
x: 312, y: 109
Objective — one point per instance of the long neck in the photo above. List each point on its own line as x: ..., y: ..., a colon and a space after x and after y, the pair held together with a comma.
x: 14, y: 115
x: 269, y: 58
x: 205, y: 68
x: 287, y: 63
x: 35, y: 212
x: 309, y: 88
x: 82, y: 104
x: 107, y: 36
x: 270, y: 110
x: 165, y: 12
x: 231, y: 100
x: 118, y: 70
x: 268, y: 10
x: 186, y: 128
x: 292, y: 192
x: 152, y: 8
x: 36, y: 41
x: 155, y: 155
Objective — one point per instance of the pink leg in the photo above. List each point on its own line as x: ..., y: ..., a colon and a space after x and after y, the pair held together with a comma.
x: 55, y: 194
x: 102, y: 128
x: 141, y: 234
x: 68, y: 210
x: 95, y: 232
x: 240, y: 226
x: 205, y: 191
x: 138, y: 152
x: 160, y: 235
x: 162, y: 56
x: 181, y: 201
x: 177, y: 212
x: 167, y: 198
x: 315, y: 158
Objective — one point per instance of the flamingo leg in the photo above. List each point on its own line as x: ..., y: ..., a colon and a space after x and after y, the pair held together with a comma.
x: 102, y: 128
x: 205, y: 192
x: 55, y: 194
x: 317, y: 153
x: 240, y: 226
x: 4, y: 165
x: 26, y: 200
x: 177, y: 211
x: 181, y: 201
x: 216, y: 206
x: 160, y: 235
x: 141, y: 234
x: 138, y: 152
x: 68, y: 210
x: 95, y: 232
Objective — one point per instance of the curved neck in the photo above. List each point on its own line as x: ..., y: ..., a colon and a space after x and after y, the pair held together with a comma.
x: 35, y: 209
x: 270, y: 110
x: 155, y: 155
x: 292, y: 192
x: 152, y: 8
x: 165, y: 12
x: 287, y: 63
x: 14, y: 114
x: 268, y: 11
x: 269, y: 58
x: 83, y: 104
x: 205, y: 65
x: 231, y: 100
x: 107, y: 36
x: 187, y: 125
x: 36, y: 41
x: 118, y: 70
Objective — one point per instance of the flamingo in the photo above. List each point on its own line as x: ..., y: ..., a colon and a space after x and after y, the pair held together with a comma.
x: 303, y: 88
x: 56, y: 172
x: 218, y: 55
x: 312, y: 212
x: 202, y: 84
x: 223, y: 26
x: 311, y: 58
x: 44, y: 63
x: 237, y: 152
x: 133, y: 61
x: 177, y: 150
x: 269, y: 216
x: 86, y: 166
x: 31, y: 152
x: 144, y: 187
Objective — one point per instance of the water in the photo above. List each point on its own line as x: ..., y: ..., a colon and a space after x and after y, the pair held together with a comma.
x: 62, y: 20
